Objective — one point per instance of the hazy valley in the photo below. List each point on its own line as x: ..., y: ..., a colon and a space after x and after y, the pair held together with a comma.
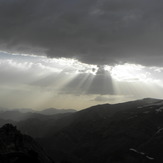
x: 117, y: 133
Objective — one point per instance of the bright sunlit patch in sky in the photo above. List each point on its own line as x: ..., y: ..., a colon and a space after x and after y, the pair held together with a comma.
x: 131, y: 73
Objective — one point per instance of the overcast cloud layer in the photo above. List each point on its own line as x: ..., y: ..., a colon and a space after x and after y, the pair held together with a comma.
x: 93, y: 31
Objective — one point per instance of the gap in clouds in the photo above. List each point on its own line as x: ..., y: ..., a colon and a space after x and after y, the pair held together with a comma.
x: 37, y: 82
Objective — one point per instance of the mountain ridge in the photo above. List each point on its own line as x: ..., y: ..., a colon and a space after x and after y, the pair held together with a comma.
x: 115, y: 133
x: 100, y: 133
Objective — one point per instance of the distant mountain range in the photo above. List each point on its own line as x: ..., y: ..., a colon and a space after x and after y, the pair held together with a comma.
x: 51, y: 111
x: 130, y: 132
x: 23, y: 114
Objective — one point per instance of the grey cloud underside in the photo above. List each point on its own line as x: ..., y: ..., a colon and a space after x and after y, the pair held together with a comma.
x: 93, y: 31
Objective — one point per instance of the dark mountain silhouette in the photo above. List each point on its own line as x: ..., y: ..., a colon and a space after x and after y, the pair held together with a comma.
x: 18, y: 148
x: 40, y: 125
x: 3, y: 122
x: 119, y: 133
x: 32, y: 123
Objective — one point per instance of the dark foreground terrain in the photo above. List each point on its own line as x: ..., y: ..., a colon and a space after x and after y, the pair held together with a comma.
x: 130, y: 132
x: 18, y: 148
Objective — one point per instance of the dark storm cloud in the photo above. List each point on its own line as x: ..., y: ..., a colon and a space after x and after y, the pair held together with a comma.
x: 93, y: 31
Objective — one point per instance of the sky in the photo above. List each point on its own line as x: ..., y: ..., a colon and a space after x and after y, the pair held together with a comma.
x: 79, y: 53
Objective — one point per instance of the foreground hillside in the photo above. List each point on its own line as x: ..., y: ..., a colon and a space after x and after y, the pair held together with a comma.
x: 130, y: 132
x: 18, y: 148
x: 119, y: 133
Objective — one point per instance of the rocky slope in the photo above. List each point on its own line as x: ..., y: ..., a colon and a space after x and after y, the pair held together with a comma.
x: 119, y: 133
x: 18, y: 148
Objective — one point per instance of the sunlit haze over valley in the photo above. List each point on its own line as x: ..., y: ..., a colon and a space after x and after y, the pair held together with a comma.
x: 39, y: 82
